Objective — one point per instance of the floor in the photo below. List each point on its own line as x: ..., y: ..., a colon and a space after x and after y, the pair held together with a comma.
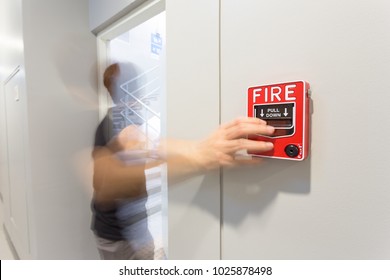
x: 5, y: 249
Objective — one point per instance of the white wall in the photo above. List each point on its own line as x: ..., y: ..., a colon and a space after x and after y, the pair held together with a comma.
x: 335, y: 205
x: 61, y: 83
x: 59, y: 61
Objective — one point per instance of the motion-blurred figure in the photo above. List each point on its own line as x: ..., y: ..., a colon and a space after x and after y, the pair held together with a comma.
x: 122, y: 156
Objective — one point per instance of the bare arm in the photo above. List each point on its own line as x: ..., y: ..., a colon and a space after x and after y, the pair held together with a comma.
x: 114, y: 179
x: 188, y: 158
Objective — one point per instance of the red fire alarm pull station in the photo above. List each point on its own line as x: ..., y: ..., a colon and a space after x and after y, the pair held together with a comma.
x: 285, y: 106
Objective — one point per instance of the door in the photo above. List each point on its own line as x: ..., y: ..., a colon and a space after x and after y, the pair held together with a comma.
x: 15, y: 193
x: 144, y: 47
x: 138, y: 41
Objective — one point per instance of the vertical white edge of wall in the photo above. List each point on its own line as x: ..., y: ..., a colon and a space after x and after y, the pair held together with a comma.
x: 102, y: 63
x: 192, y: 56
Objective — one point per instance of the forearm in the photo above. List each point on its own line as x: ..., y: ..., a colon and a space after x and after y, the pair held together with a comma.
x: 186, y: 159
x: 189, y: 158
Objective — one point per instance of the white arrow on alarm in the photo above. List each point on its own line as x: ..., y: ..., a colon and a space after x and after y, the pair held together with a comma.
x: 262, y: 113
x: 285, y: 112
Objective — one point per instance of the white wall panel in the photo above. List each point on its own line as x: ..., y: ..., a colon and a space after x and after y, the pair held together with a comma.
x: 335, y: 204
x: 193, y: 112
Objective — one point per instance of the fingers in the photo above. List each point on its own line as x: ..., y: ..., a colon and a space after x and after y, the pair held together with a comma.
x: 249, y: 145
x: 241, y: 120
x: 247, y: 126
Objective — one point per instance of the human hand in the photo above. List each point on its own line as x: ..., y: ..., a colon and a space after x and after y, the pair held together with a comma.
x: 220, y: 149
x: 222, y: 146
